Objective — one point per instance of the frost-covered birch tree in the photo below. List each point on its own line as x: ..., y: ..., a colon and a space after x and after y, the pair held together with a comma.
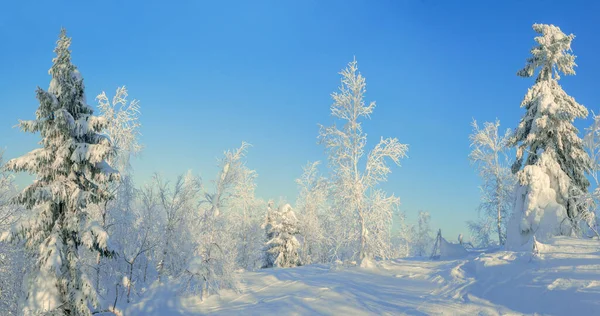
x: 117, y: 216
x: 591, y: 200
x: 71, y: 171
x: 551, y: 162
x: 354, y: 188
x: 311, y: 205
x: 13, y: 262
x: 490, y: 156
x: 179, y: 206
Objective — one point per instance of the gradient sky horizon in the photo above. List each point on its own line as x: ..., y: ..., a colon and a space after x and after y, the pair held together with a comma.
x: 210, y: 75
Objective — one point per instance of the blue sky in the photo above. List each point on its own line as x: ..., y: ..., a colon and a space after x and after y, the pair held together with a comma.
x: 211, y: 74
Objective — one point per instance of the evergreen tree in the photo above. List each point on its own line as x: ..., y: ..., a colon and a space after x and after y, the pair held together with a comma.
x: 546, y: 134
x: 71, y: 171
x: 284, y: 245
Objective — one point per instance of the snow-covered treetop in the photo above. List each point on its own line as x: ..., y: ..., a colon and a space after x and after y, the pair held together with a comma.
x: 547, y: 126
x: 346, y: 146
x: 123, y: 126
x: 552, y: 55
x: 488, y: 146
x: 73, y: 148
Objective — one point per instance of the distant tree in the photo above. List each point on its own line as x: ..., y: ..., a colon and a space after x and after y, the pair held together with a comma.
x: 366, y: 209
x: 71, y: 171
x: 423, y: 239
x: 403, y: 238
x: 490, y: 155
x: 550, y: 154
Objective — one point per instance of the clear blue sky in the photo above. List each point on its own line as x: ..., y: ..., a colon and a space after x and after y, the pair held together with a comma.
x: 210, y: 74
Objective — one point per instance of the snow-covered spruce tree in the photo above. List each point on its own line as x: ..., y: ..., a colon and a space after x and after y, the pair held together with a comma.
x: 490, y: 156
x: 423, y: 240
x: 283, y: 243
x: 71, y: 169
x: 310, y: 204
x: 551, y: 161
x: 354, y: 190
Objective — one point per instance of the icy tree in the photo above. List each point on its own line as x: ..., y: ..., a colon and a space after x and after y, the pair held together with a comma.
x: 178, y: 204
x: 71, y: 169
x: 310, y: 204
x: 116, y: 216
x: 403, y: 237
x: 123, y: 126
x: 13, y: 263
x: 482, y: 231
x: 551, y: 161
x: 591, y: 200
x: 230, y: 234
x: 489, y: 154
x: 355, y: 191
x: 283, y: 243
x: 423, y: 239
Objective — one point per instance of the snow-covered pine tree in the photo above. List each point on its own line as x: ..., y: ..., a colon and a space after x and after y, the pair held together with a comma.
x: 490, y: 156
x: 356, y: 196
x: 551, y: 162
x: 283, y: 243
x: 70, y: 168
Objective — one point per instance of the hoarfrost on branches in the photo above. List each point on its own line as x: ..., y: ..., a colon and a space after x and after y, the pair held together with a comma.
x: 489, y: 154
x: 367, y: 210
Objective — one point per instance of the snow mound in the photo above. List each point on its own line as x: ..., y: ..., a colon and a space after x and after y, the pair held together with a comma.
x: 449, y: 250
x: 539, y: 211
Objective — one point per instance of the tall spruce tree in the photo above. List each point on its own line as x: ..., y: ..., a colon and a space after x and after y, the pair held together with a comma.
x: 546, y: 134
x: 70, y: 169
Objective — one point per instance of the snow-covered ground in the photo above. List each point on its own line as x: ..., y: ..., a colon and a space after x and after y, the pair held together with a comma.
x: 563, y: 280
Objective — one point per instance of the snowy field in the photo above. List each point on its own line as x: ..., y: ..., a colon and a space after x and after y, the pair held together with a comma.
x: 563, y: 280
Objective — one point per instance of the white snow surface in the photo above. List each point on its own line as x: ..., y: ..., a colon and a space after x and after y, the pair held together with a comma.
x: 563, y: 279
